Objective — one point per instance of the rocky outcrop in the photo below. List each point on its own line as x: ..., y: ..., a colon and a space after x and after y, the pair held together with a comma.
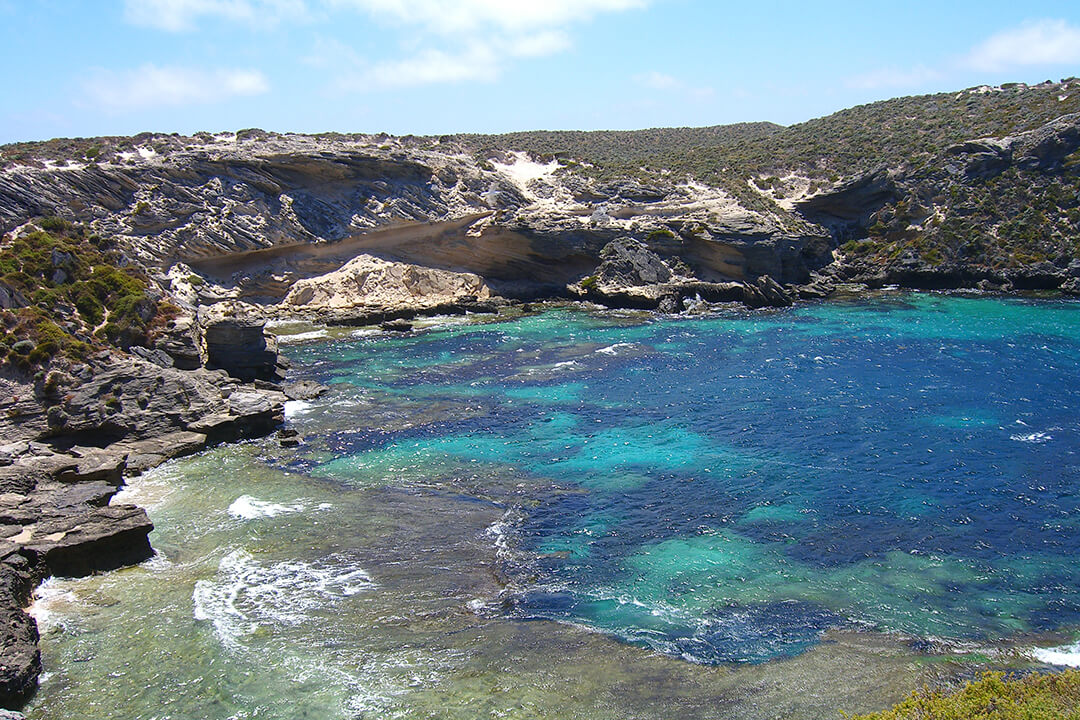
x: 235, y: 341
x: 1045, y: 149
x: 631, y: 275
x: 180, y: 341
x: 626, y: 262
x: 72, y: 437
x: 367, y: 281
x: 20, y: 658
x: 847, y: 210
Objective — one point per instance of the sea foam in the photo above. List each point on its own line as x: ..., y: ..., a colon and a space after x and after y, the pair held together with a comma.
x: 1066, y: 655
x: 296, y: 407
x: 247, y: 594
x: 247, y: 507
x: 302, y: 337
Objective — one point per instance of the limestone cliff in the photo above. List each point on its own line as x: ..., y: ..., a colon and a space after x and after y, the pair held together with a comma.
x: 219, y: 217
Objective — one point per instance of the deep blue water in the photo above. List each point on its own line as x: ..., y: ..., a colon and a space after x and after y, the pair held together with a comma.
x: 725, y: 488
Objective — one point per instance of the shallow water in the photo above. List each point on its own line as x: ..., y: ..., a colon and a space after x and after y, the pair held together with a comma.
x: 588, y: 515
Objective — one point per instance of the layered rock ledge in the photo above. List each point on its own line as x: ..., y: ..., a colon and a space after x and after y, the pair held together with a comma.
x: 73, y: 435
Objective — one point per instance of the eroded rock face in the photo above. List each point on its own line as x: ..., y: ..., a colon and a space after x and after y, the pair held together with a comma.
x: 235, y: 342
x: 626, y: 262
x: 20, y: 658
x: 254, y: 216
x: 368, y: 281
x: 69, y: 448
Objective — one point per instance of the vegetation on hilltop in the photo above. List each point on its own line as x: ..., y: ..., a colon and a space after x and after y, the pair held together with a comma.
x: 72, y: 292
x: 994, y: 696
x: 621, y: 152
x: 1014, y: 219
x: 906, y: 131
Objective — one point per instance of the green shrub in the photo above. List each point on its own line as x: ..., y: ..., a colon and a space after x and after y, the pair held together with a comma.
x: 94, y: 289
x: 994, y: 696
x: 54, y: 224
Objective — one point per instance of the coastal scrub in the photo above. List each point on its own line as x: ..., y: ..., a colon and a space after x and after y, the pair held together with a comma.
x: 994, y: 696
x: 70, y: 292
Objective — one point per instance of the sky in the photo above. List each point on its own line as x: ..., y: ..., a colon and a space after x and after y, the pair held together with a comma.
x: 80, y: 68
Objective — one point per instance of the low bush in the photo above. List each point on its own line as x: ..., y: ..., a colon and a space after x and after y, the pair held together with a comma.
x: 994, y: 696
x: 77, y: 295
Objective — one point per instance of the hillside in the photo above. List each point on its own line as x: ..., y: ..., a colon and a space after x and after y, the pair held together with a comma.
x: 977, y: 187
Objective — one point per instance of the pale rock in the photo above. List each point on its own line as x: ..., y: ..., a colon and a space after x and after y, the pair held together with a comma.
x: 368, y: 281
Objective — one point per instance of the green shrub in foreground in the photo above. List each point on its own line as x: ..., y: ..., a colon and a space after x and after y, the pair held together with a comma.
x: 994, y: 696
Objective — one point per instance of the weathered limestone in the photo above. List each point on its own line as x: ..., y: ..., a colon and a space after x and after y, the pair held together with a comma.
x: 368, y: 281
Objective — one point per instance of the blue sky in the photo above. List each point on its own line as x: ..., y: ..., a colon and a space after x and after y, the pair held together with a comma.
x: 119, y: 67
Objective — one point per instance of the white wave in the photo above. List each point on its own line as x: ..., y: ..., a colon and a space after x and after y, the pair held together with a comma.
x: 503, y: 533
x: 366, y: 332
x: 247, y: 507
x: 302, y: 337
x: 50, y: 601
x: 247, y: 594
x: 1066, y: 655
x: 614, y: 349
x: 1036, y: 438
x: 296, y: 407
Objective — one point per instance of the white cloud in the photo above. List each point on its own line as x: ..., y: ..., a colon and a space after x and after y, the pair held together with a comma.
x: 454, y: 16
x: 180, y: 15
x: 1042, y: 42
x: 893, y: 78
x: 452, y: 40
x: 668, y: 83
x: 547, y: 42
x: 460, y: 40
x: 478, y: 63
x: 154, y: 86
x: 658, y: 81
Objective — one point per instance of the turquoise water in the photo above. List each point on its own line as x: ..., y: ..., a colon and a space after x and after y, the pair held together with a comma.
x: 511, y: 518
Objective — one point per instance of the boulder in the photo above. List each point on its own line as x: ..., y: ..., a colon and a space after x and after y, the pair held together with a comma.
x: 239, y: 346
x: 368, y: 281
x: 304, y: 390
x: 765, y: 292
x: 10, y: 298
x: 180, y: 341
x: 626, y: 262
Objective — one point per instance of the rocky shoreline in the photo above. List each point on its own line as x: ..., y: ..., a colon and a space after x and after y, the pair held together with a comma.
x: 74, y: 434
